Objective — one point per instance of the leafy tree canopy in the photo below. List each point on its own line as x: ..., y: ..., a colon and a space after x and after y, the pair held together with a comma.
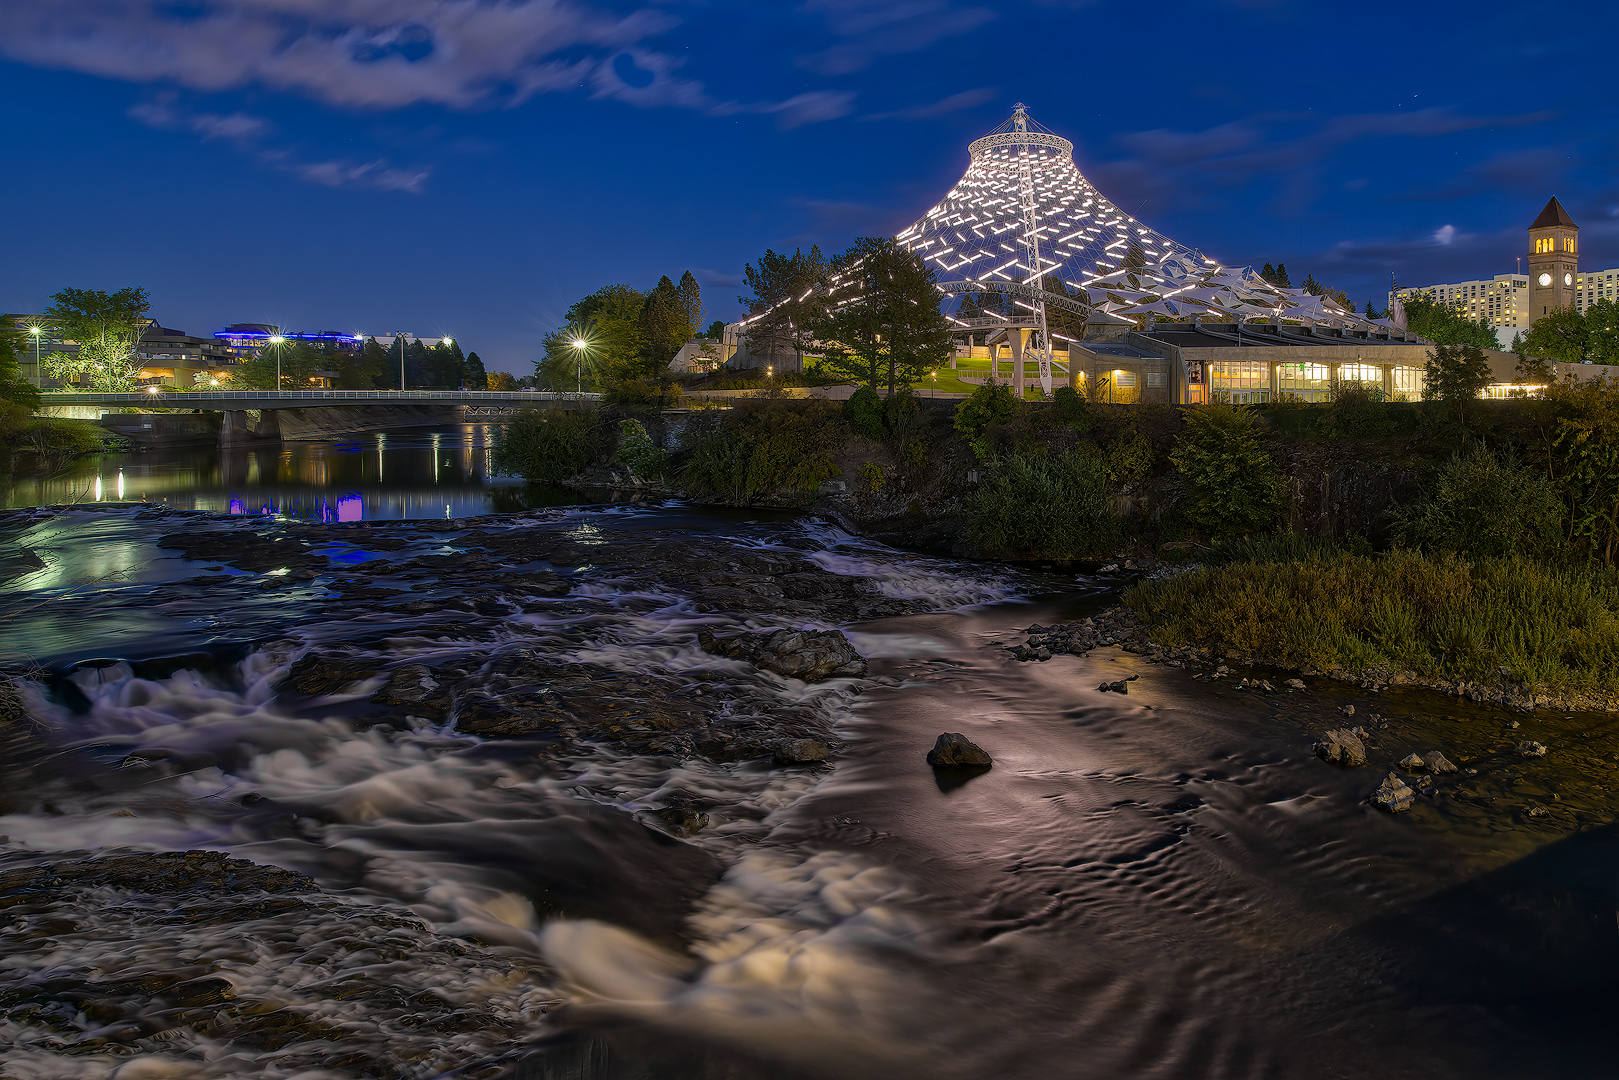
x: 784, y: 295
x: 1444, y: 324
x: 106, y: 328
x: 1229, y: 482
x: 1573, y: 337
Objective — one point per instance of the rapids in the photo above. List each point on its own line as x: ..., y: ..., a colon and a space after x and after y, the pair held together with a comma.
x: 1160, y: 884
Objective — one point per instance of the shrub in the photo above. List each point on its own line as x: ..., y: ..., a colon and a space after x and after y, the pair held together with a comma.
x: 1070, y: 407
x: 759, y: 448
x: 638, y: 452
x: 58, y: 438
x: 547, y: 445
x: 1230, y: 484
x: 1357, y: 411
x: 989, y: 404
x: 1033, y: 508
x: 1484, y: 504
x: 864, y: 413
x: 871, y: 477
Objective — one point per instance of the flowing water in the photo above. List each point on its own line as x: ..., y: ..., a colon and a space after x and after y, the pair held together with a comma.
x: 1160, y: 884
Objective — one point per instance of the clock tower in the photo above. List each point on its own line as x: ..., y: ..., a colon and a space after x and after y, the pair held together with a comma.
x: 1554, y: 260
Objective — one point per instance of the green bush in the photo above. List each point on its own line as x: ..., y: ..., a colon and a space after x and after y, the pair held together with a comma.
x: 1037, y: 508
x: 761, y: 448
x: 1438, y: 615
x: 864, y: 413
x: 990, y: 403
x: 1358, y: 411
x: 1229, y: 483
x: 638, y: 452
x: 1070, y: 407
x: 548, y: 445
x: 1485, y: 504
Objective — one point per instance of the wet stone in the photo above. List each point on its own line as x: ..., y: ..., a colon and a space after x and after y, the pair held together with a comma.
x: 1532, y: 749
x: 954, y: 748
x: 1341, y: 746
x: 801, y: 752
x: 810, y: 655
x: 1394, y: 795
x: 407, y: 685
x: 1438, y: 763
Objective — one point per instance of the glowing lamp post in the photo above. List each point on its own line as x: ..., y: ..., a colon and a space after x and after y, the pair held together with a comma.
x: 579, y: 346
x: 39, y: 376
x: 276, y: 340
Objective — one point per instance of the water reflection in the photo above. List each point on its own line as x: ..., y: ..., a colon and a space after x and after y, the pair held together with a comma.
x: 406, y: 473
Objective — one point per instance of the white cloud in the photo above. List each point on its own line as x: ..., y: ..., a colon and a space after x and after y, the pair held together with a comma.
x: 1444, y: 235
x: 874, y: 28
x: 366, y: 53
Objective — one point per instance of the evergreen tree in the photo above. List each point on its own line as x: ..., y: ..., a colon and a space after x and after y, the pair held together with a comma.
x: 663, y: 328
x: 1269, y: 273
x: 473, y: 374
x: 1312, y: 286
x: 689, y: 305
x: 443, y: 364
x: 716, y: 331
x: 1281, y: 277
x: 1374, y: 313
x: 881, y: 325
x: 417, y: 367
x: 784, y: 297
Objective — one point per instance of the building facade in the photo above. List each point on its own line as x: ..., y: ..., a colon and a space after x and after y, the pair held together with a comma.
x: 167, y: 357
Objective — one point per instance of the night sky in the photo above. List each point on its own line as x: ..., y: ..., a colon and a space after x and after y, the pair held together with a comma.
x: 471, y: 167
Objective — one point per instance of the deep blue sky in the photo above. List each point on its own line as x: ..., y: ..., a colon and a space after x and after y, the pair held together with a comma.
x: 473, y: 166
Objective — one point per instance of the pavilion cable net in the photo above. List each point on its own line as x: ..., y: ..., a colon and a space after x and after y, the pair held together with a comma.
x: 1025, y: 223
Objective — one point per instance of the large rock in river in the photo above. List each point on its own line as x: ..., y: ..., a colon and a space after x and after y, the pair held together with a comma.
x: 954, y: 748
x: 811, y: 655
x: 1341, y: 747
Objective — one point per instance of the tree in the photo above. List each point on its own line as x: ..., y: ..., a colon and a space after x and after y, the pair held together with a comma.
x: 297, y: 364
x: 880, y: 324
x: 472, y: 373
x: 1602, y: 329
x: 501, y: 380
x: 1444, y: 324
x: 17, y: 398
x: 689, y: 305
x: 784, y: 298
x: 369, y: 369
x: 1312, y: 286
x: 715, y: 331
x: 107, y: 328
x: 1229, y: 481
x: 1455, y: 375
x: 608, y: 321
x: 1570, y: 336
x: 1375, y: 313
x: 442, y: 365
x: 1276, y: 275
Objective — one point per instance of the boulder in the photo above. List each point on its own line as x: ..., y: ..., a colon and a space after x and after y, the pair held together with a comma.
x: 1348, y: 710
x: 1341, y: 746
x: 1413, y: 763
x: 1395, y: 795
x: 953, y: 748
x: 1532, y: 749
x: 680, y: 821
x: 1295, y: 684
x: 1122, y: 686
x: 1438, y: 763
x: 800, y: 752
x: 810, y: 655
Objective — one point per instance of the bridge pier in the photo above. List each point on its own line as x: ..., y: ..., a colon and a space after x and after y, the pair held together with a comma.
x: 237, y: 428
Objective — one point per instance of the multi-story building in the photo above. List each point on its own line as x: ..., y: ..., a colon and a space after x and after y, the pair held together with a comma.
x: 1503, y: 300
x: 1598, y: 285
x: 168, y: 357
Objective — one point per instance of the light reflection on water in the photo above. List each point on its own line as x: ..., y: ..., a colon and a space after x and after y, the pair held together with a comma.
x: 445, y: 472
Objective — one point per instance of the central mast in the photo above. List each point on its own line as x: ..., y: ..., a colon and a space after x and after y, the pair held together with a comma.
x: 1041, y: 345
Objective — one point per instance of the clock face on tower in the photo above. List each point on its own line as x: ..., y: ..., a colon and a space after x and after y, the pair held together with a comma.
x: 1545, y: 280
x: 1568, y: 279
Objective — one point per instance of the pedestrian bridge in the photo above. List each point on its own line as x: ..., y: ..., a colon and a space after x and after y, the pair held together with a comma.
x: 242, y: 400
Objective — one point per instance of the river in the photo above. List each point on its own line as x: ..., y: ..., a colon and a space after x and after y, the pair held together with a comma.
x: 1165, y: 883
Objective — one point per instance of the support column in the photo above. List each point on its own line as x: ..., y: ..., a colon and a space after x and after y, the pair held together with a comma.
x: 232, y: 429
x: 1015, y: 335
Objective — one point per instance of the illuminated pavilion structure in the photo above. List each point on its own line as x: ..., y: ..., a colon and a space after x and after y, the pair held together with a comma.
x: 1023, y: 222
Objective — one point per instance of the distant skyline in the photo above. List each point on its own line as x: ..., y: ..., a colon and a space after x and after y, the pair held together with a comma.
x: 471, y: 167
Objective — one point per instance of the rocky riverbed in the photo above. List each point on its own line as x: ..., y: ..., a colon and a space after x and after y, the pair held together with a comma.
x: 385, y: 759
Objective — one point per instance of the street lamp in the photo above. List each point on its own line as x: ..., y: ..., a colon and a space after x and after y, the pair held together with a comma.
x: 276, y: 340
x: 39, y: 376
x: 579, y: 346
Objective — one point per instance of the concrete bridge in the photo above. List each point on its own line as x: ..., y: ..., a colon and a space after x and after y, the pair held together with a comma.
x: 330, y: 412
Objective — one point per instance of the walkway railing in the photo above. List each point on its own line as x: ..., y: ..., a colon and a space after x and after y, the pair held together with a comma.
x: 252, y: 399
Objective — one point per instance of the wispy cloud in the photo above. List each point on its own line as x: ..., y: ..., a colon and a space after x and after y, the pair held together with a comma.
x: 248, y: 134
x: 875, y: 28
x: 967, y: 99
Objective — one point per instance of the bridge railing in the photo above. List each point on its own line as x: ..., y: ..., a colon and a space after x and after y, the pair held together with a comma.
x: 182, y: 397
